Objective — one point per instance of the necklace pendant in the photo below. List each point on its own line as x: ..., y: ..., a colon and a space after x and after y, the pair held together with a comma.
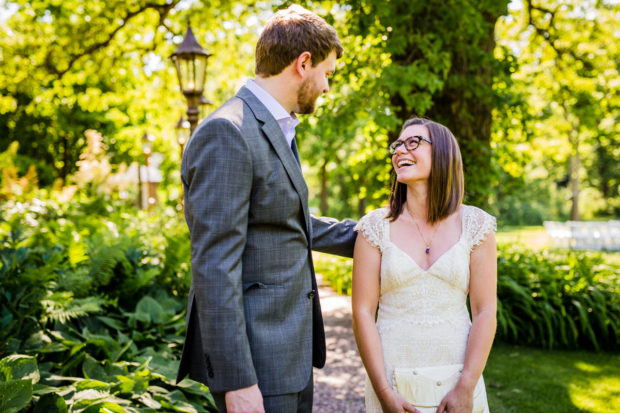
x: 428, y: 251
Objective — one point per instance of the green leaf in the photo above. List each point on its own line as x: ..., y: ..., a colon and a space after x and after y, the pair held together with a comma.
x: 19, y: 366
x: 112, y: 322
x: 126, y: 384
x: 147, y: 400
x: 149, y: 310
x: 88, y: 397
x: 92, y: 385
x: 163, y: 367
x: 15, y: 395
x: 77, y: 253
x: 104, y: 407
x: 51, y: 403
x: 93, y: 370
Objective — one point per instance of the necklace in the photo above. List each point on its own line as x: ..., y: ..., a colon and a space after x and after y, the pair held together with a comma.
x: 427, y: 244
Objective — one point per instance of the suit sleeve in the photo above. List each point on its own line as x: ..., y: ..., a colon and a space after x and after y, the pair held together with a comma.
x: 217, y: 178
x: 333, y: 237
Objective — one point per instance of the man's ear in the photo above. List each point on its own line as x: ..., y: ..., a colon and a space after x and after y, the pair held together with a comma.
x: 303, y: 63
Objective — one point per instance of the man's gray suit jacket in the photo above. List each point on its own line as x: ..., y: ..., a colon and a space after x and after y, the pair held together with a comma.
x: 253, y: 313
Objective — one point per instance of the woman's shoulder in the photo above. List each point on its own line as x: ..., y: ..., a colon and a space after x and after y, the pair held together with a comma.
x: 474, y: 211
x: 373, y: 217
x: 371, y: 226
x: 478, y: 224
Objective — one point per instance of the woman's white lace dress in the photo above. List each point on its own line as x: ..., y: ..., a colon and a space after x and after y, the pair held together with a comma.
x: 423, y: 319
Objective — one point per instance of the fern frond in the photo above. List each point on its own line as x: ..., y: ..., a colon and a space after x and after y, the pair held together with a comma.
x: 103, y: 260
x: 61, y: 306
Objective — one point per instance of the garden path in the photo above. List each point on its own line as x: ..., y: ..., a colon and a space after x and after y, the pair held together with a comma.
x: 339, y: 386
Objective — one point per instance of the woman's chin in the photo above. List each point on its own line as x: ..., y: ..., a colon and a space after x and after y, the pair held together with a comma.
x: 411, y: 178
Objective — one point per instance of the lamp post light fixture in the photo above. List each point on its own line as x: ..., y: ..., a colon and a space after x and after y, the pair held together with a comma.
x: 190, y: 61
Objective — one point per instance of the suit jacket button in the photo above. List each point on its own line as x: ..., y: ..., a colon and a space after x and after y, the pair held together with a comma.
x: 311, y: 294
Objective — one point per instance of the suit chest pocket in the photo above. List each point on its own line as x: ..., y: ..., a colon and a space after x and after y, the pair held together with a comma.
x: 273, y: 193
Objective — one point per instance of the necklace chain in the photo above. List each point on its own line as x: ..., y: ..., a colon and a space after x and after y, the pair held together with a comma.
x: 427, y: 244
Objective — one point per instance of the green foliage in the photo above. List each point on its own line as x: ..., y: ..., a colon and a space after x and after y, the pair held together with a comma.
x: 55, y: 85
x: 18, y: 374
x: 556, y: 141
x: 401, y: 59
x: 91, y: 317
x: 336, y: 271
x: 558, y: 299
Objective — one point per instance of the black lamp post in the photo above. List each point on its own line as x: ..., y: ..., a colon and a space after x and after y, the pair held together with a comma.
x: 182, y: 129
x: 190, y: 61
x: 203, y: 102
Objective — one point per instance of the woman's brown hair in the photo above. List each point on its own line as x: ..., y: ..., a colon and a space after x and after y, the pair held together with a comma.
x: 289, y: 33
x: 445, y: 183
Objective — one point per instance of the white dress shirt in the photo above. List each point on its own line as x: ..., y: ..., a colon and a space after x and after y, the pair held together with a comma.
x: 287, y: 121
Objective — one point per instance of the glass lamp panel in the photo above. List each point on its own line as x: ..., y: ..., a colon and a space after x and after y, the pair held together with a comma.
x: 188, y: 85
x: 178, y: 64
x: 200, y: 67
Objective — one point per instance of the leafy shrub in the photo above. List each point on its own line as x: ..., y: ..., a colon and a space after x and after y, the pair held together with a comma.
x: 558, y: 299
x: 336, y: 271
x: 93, y: 308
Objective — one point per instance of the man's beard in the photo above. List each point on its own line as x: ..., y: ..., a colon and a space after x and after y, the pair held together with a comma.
x: 306, y: 102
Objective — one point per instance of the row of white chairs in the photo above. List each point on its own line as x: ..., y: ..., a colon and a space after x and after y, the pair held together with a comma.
x: 585, y: 235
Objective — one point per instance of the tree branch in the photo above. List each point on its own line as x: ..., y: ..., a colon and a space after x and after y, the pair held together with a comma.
x: 162, y: 9
x: 546, y: 32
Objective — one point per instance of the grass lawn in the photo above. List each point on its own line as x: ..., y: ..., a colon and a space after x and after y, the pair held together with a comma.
x: 521, y: 379
x: 531, y: 236
x: 535, y: 237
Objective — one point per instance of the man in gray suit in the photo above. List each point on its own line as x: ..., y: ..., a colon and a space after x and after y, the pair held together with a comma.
x: 254, y: 320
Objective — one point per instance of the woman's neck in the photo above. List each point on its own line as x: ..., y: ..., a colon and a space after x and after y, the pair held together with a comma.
x: 417, y: 201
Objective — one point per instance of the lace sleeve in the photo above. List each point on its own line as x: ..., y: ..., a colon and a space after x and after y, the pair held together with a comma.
x: 478, y: 224
x: 371, y: 227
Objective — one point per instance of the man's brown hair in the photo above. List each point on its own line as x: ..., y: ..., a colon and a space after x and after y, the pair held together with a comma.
x: 445, y: 183
x: 289, y: 33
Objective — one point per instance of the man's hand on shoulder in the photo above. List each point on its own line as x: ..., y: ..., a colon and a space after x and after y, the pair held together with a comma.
x: 246, y: 400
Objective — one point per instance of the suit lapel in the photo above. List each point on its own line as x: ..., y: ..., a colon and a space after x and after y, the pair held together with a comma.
x: 274, y: 134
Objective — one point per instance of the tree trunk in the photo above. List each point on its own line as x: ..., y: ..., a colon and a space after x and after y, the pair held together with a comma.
x: 324, y: 194
x: 361, y: 207
x: 65, y: 159
x: 469, y: 116
x: 575, y: 165
x: 465, y: 104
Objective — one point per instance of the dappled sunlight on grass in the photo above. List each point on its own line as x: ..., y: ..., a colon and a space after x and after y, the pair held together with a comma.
x: 589, y: 368
x: 597, y: 388
x: 522, y: 379
x: 534, y: 237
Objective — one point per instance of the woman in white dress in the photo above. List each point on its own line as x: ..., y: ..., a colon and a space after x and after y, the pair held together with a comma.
x: 417, y: 261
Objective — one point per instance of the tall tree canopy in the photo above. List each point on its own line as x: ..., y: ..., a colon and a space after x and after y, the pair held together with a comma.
x: 402, y: 58
x: 529, y: 89
x: 563, y: 136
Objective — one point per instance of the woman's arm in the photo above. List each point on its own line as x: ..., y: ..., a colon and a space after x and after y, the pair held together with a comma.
x: 365, y: 297
x: 483, y: 303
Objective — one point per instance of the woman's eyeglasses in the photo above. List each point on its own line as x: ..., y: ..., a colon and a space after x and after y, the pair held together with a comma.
x: 411, y: 143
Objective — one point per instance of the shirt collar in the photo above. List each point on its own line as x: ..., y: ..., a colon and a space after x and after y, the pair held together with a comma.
x: 287, y: 121
x: 273, y: 106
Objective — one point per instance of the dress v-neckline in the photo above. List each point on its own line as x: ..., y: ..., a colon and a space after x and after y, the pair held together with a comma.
x: 387, y: 226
